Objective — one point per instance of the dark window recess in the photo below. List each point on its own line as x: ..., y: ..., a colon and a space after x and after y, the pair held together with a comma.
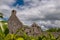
x: 12, y: 32
x: 33, y: 34
x: 30, y: 31
x: 26, y: 32
x: 37, y: 26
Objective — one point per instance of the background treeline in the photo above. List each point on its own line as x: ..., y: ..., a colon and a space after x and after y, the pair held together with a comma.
x: 53, y: 30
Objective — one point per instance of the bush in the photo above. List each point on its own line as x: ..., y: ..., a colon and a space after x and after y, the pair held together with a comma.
x: 6, y: 36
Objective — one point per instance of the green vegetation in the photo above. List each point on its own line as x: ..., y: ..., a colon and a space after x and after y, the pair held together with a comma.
x: 54, y: 30
x: 1, y: 15
x: 4, y: 35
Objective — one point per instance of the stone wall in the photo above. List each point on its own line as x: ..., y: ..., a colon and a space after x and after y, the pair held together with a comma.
x: 14, y: 25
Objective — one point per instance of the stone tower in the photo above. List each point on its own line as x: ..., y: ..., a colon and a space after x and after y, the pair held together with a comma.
x: 13, y: 23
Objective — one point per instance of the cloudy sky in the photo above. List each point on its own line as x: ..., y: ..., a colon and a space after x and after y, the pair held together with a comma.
x: 44, y: 12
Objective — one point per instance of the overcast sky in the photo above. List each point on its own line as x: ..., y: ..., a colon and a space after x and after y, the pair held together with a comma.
x: 43, y: 12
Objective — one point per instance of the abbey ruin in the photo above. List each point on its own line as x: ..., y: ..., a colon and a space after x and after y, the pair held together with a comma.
x: 16, y: 26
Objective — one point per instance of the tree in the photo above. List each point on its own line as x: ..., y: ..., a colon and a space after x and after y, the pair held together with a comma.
x: 1, y: 15
x: 52, y: 30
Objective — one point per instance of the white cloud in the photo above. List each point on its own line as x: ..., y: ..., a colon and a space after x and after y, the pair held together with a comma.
x: 2, y: 2
x: 33, y: 10
x: 38, y: 8
x: 5, y: 7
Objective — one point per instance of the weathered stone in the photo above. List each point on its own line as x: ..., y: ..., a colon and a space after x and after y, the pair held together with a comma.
x: 36, y: 30
x: 13, y: 23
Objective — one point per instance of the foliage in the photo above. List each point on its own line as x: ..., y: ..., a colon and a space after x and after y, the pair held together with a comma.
x: 6, y: 36
x: 1, y: 15
x: 54, y: 30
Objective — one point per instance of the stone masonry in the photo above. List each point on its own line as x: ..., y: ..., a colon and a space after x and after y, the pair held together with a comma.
x: 14, y: 24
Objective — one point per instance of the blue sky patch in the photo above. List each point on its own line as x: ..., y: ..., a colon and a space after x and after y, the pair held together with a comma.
x: 19, y: 3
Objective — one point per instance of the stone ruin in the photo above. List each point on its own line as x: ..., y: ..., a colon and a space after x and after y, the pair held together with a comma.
x: 14, y: 24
